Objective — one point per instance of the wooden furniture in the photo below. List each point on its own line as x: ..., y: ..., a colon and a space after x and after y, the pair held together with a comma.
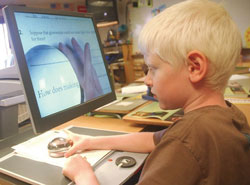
x: 104, y: 123
x: 82, y: 121
x: 133, y: 65
x: 138, y: 65
x: 127, y: 50
x: 129, y: 67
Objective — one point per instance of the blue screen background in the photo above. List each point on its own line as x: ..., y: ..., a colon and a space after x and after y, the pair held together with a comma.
x: 54, y: 81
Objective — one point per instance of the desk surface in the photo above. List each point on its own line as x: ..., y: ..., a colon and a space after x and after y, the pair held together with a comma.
x: 125, y: 126
x: 91, y: 122
x: 104, y: 123
x: 111, y: 124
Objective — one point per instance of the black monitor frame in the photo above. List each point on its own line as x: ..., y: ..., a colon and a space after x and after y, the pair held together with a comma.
x: 43, y: 124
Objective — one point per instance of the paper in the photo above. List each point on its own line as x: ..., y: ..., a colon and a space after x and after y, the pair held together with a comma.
x: 124, y: 103
x: 239, y: 100
x: 153, y: 110
x: 234, y: 89
x: 134, y: 89
x: 111, y: 103
x: 36, y: 149
x: 238, y: 77
x: 243, y: 80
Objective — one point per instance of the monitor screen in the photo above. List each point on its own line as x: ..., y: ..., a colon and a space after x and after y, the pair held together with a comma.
x: 61, y: 64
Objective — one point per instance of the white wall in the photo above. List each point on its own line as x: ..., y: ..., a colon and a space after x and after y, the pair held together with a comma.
x: 238, y: 9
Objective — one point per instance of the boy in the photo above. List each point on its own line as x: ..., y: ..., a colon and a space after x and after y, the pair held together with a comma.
x: 191, y: 50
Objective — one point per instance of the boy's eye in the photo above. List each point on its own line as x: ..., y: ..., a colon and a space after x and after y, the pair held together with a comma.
x: 151, y: 70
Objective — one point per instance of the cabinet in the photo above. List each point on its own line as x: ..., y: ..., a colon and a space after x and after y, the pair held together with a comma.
x: 138, y: 66
x: 127, y: 50
x: 124, y: 67
x: 114, y: 57
x: 133, y: 65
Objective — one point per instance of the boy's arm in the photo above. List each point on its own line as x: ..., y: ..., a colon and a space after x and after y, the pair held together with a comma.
x: 79, y: 170
x: 134, y: 142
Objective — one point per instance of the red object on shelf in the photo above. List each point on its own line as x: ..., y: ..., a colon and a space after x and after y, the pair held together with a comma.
x: 82, y: 8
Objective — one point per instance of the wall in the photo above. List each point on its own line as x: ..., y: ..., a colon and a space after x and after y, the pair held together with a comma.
x: 121, y: 5
x: 238, y: 9
x: 37, y: 3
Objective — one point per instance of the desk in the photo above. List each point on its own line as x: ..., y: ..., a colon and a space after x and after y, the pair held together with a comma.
x: 125, y: 126
x: 101, y: 123
x: 91, y: 122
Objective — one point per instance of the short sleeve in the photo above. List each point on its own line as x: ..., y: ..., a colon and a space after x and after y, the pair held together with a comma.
x: 171, y: 163
x: 158, y: 135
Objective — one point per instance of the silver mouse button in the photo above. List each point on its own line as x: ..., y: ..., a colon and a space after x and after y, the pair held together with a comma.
x: 58, y: 146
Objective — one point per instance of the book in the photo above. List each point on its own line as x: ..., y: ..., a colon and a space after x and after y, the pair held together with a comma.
x: 134, y: 89
x: 235, y: 89
x: 238, y: 100
x: 122, y: 105
x: 241, y: 70
x: 151, y: 113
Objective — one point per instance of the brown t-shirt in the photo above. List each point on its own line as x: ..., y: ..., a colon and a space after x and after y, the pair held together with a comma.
x: 210, y: 145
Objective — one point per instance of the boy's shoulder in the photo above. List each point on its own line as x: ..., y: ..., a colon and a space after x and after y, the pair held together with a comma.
x: 211, y: 136
x: 210, y: 120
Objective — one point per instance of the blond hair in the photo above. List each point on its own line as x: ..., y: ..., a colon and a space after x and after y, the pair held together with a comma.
x: 195, y: 25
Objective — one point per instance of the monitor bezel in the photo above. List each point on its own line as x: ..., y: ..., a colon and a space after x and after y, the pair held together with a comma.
x: 40, y: 124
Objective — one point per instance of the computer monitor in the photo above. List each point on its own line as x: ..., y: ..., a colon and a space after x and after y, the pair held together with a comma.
x: 61, y: 64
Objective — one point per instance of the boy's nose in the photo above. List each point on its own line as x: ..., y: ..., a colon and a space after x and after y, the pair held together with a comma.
x: 148, y: 81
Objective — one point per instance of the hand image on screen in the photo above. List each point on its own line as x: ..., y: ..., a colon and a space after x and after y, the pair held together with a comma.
x: 81, y: 63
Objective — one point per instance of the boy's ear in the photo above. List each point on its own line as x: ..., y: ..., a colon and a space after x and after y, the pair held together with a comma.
x: 197, y: 65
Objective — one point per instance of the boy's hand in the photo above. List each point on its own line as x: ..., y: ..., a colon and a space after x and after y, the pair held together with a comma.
x: 84, y: 70
x: 78, y: 142
x: 79, y: 170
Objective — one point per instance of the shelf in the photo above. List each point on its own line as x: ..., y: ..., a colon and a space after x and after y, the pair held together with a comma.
x: 112, y: 52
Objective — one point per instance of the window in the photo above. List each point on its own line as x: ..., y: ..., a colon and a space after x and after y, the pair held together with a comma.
x: 5, y: 52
